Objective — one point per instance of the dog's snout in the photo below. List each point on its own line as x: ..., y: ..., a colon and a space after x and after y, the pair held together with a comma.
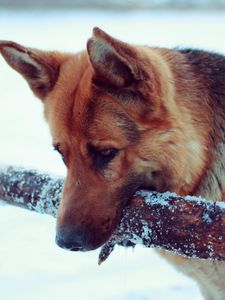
x: 73, y: 238
x: 69, y: 245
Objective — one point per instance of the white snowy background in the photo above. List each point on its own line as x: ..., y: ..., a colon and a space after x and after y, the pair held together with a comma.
x: 32, y: 267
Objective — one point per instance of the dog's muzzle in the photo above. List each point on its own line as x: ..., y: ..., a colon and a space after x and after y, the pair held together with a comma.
x: 73, y: 238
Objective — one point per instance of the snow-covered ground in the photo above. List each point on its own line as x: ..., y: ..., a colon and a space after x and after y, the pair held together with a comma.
x: 32, y: 267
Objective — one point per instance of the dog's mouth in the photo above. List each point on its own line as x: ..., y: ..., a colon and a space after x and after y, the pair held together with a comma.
x: 115, y: 238
x: 126, y: 203
x: 134, y: 191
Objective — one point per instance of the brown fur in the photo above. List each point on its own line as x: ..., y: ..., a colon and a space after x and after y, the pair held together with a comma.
x: 159, y: 113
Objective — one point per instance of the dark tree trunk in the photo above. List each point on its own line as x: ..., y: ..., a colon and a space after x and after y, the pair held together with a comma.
x: 189, y: 226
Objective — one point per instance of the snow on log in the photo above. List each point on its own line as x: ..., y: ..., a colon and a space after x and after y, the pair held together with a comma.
x: 189, y: 226
x: 30, y: 189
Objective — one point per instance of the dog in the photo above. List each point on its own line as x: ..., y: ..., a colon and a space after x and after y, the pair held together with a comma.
x: 125, y: 117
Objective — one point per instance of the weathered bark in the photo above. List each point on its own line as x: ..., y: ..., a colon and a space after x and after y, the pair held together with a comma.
x: 190, y: 226
x: 30, y: 189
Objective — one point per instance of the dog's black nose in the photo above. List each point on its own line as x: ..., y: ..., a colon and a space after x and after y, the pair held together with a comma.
x: 73, y: 238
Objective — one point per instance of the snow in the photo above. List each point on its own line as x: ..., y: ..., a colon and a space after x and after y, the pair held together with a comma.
x: 31, y: 265
x: 161, y: 199
x: 207, y: 218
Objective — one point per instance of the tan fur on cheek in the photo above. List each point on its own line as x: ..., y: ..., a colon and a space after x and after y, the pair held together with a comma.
x: 143, y: 165
x: 173, y: 154
x: 115, y: 170
x: 110, y: 174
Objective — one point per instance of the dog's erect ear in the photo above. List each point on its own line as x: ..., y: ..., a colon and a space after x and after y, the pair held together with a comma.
x: 39, y: 68
x: 115, y: 63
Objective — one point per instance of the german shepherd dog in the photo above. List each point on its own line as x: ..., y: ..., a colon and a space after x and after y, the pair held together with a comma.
x: 125, y: 117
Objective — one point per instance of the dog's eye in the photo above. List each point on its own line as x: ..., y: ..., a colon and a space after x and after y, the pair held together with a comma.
x: 104, y: 156
x: 57, y: 148
x: 101, y: 157
x: 107, y: 153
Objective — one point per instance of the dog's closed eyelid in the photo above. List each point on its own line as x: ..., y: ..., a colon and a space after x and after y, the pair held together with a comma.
x: 60, y: 148
x: 57, y: 148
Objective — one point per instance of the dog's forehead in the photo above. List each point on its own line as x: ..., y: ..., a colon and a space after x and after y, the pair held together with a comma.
x: 65, y: 106
x: 106, y: 119
x: 77, y: 109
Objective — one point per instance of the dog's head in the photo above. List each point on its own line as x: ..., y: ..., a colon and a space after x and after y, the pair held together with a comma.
x: 113, y: 119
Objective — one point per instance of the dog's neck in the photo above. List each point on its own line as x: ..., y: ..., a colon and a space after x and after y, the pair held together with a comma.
x: 200, y: 93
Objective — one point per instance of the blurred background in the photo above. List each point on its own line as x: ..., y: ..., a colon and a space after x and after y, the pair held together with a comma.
x: 116, y: 4
x: 32, y: 267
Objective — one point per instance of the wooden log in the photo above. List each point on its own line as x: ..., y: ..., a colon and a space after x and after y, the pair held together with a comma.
x: 30, y: 189
x: 189, y: 226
